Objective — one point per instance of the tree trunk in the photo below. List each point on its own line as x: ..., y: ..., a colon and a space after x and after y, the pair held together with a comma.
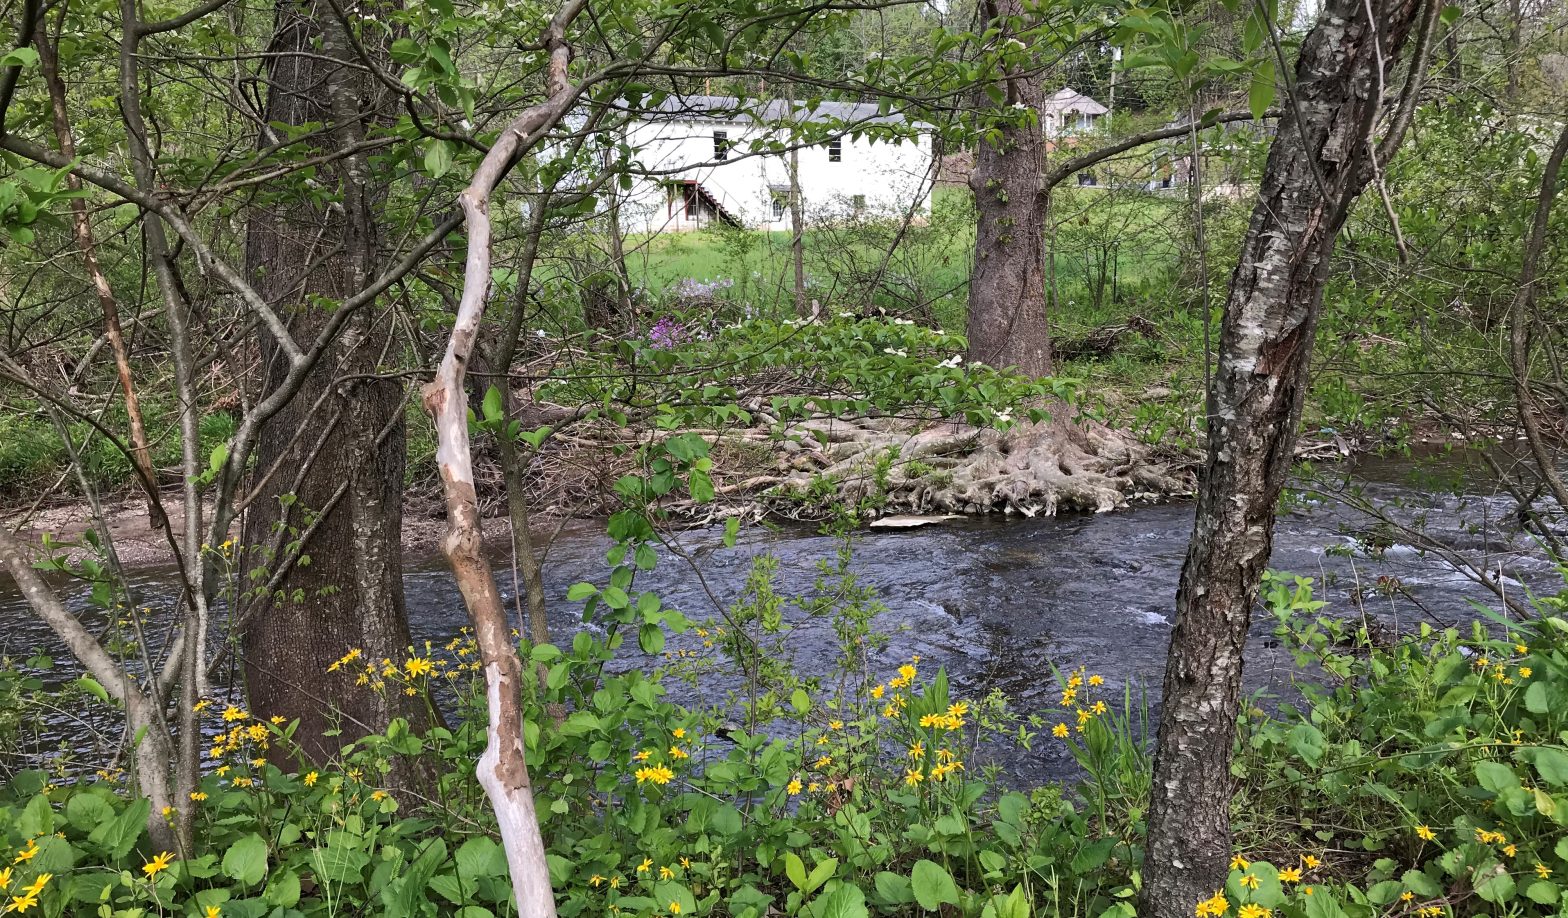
x: 1007, y: 315
x: 1321, y: 160
x: 338, y: 447
x: 797, y: 239
x: 1521, y: 316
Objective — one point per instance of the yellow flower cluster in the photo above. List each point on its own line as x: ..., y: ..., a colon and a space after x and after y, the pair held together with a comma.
x: 1214, y: 906
x: 23, y: 897
x: 1075, y: 686
x: 654, y: 774
x: 952, y: 720
x: 414, y: 668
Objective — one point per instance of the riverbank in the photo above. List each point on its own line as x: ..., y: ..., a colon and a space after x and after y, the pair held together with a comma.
x: 571, y: 484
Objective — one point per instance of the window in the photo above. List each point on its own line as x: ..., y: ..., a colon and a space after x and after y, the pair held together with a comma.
x: 780, y: 204
x: 858, y: 202
x: 1086, y: 178
x: 721, y: 145
x: 836, y: 150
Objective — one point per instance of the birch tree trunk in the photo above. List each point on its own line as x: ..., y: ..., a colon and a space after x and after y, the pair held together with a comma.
x: 1323, y: 156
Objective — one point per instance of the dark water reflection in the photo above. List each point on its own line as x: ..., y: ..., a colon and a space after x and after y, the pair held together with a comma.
x: 998, y: 602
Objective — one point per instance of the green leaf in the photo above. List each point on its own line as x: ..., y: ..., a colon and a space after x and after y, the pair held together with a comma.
x: 246, y: 860
x: 492, y: 404
x: 87, y: 811
x: 578, y: 592
x: 845, y: 901
x: 820, y: 875
x: 438, y: 162
x: 119, y: 835
x: 1497, y: 888
x: 92, y: 687
x: 800, y: 701
x: 1495, y: 776
x: 20, y: 57
x: 480, y: 857
x: 650, y: 637
x: 1552, y: 765
x: 283, y: 889
x: 1260, y: 93
x: 933, y: 886
x: 894, y: 888
x: 795, y: 869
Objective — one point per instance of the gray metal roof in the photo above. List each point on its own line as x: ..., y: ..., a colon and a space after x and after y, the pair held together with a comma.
x: 732, y: 109
x: 1072, y: 101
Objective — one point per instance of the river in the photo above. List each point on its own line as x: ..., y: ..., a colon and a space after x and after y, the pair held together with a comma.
x: 997, y: 601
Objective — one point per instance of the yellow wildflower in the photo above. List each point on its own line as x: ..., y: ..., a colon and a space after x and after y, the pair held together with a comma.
x: 310, y: 779
x: 823, y: 762
x: 917, y: 751
x: 677, y: 752
x: 1425, y: 834
x: 1251, y: 910
x: 1096, y: 680
x: 1059, y: 731
x: 675, y: 908
x: 1525, y: 672
x: 678, y: 733
x: 198, y: 796
x: 160, y: 863
x: 38, y: 884
x: 1290, y: 875
x: 665, y: 872
x: 26, y: 854
x: 418, y: 666
x: 793, y: 786
x: 596, y: 881
x: 644, y: 755
x: 213, y: 911
x: 1250, y: 880
x: 1239, y: 863
x: 1310, y: 861
x: 658, y: 774
x: 231, y: 713
x: 646, y: 865
x: 913, y: 777
x: 835, y: 725
x: 877, y: 691
x: 907, y: 672
x: 22, y: 903
x: 1542, y: 871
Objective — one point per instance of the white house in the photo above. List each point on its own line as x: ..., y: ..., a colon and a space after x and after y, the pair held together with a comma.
x: 1068, y: 111
x: 697, y: 165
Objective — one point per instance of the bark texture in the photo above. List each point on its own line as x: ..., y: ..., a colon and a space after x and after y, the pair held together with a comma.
x: 1007, y: 310
x: 330, y: 463
x: 1322, y: 158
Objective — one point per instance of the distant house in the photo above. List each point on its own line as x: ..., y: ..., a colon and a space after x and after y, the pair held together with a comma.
x: 1068, y: 112
x: 697, y: 167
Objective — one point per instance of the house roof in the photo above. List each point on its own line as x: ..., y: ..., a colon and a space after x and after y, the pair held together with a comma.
x: 1071, y: 101
x: 733, y: 109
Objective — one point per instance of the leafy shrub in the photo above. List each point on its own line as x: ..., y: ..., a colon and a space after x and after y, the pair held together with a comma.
x: 1435, y: 764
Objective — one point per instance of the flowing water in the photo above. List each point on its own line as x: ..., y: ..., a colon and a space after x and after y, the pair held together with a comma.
x: 997, y: 601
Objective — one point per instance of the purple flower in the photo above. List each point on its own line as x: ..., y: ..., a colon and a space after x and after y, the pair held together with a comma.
x: 667, y: 333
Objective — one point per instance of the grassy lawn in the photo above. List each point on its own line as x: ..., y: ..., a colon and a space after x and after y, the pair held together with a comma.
x: 1112, y: 250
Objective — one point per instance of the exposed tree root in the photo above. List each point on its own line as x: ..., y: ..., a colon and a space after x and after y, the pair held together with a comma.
x: 954, y: 468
